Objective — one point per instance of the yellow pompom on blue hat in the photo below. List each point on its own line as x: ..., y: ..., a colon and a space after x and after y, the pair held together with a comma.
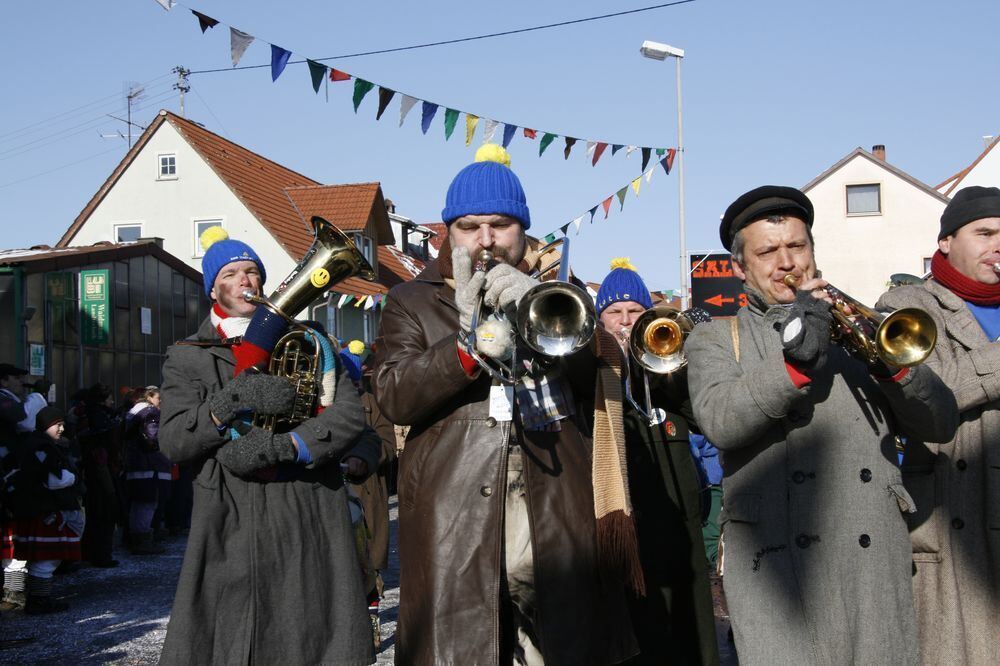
x: 220, y: 250
x: 623, y: 283
x: 488, y: 186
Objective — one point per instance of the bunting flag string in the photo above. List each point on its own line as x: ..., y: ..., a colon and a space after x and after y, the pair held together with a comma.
x: 240, y: 41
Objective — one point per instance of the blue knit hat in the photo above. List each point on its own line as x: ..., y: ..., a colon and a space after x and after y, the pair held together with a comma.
x: 622, y: 284
x: 487, y: 187
x: 220, y: 250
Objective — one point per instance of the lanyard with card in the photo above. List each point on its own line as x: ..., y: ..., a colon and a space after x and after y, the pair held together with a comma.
x: 502, y: 402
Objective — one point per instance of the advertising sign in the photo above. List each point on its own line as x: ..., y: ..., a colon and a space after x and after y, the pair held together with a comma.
x: 95, y: 307
x: 714, y: 287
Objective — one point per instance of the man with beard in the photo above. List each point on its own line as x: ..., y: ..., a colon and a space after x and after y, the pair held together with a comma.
x: 507, y: 527
x: 956, y: 530
x: 817, y: 558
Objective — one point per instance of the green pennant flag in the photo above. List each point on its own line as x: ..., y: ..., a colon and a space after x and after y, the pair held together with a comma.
x: 660, y: 152
x: 317, y: 72
x: 549, y: 239
x: 361, y: 88
x: 621, y: 196
x: 546, y: 140
x: 450, y: 118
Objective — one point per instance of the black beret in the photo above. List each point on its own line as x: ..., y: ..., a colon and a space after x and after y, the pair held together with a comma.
x: 760, y: 202
x: 968, y: 205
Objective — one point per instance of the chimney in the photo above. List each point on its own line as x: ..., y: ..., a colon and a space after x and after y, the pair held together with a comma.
x: 155, y: 240
x: 878, y: 150
x: 390, y: 206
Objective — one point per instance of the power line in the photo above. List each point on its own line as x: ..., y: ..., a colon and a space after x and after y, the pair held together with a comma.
x: 459, y: 40
x: 64, y: 166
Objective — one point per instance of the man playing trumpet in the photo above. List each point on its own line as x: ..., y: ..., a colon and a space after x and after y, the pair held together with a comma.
x: 817, y: 559
x: 956, y: 530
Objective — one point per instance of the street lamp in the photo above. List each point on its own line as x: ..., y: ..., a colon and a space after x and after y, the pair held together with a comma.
x: 658, y: 51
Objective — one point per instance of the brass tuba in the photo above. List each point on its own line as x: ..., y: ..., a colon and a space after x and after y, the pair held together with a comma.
x: 901, y: 338
x: 657, y: 339
x: 330, y: 259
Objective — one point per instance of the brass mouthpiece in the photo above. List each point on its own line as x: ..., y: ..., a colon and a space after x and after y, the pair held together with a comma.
x: 791, y: 281
x: 996, y: 267
x: 484, y: 261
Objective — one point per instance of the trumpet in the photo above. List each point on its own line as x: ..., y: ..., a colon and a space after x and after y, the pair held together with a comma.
x: 901, y: 338
x: 657, y: 339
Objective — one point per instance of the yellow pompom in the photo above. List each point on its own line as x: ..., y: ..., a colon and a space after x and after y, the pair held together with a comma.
x: 211, y: 236
x: 623, y: 262
x: 491, y: 152
x: 356, y: 347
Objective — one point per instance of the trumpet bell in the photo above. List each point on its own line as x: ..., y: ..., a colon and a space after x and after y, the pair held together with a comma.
x: 657, y: 339
x: 556, y: 318
x: 906, y: 337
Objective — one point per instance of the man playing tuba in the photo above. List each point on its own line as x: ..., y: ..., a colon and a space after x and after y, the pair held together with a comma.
x: 817, y: 557
x: 270, y: 572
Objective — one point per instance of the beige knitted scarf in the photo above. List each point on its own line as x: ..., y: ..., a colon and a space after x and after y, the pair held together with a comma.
x: 617, y: 543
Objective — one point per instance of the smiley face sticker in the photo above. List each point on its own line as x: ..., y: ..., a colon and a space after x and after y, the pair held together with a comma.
x: 320, y: 278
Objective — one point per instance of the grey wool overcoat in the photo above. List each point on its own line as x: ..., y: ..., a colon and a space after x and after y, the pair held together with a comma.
x: 956, y: 530
x: 817, y: 556
x: 271, y: 574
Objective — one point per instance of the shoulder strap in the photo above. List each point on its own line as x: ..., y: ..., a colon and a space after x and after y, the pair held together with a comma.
x: 734, y: 327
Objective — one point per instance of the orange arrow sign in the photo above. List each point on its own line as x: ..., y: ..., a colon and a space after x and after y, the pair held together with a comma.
x: 718, y: 300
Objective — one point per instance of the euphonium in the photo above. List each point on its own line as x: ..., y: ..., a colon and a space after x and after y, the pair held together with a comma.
x: 901, y: 338
x: 330, y: 259
x: 657, y: 339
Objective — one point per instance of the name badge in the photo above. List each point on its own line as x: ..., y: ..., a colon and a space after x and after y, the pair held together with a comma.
x: 502, y: 402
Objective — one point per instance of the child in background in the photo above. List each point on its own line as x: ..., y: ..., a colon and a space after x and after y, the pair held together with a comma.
x: 147, y: 470
x: 43, y: 494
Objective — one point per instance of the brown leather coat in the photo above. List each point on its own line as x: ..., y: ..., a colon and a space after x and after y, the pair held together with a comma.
x: 451, y: 498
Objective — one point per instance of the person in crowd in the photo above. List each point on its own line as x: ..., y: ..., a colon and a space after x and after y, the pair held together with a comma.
x: 817, y: 554
x: 503, y: 554
x: 270, y: 573
x: 13, y: 390
x: 955, y: 532
x: 42, y: 494
x: 147, y: 470
x: 98, y: 435
x: 673, y: 621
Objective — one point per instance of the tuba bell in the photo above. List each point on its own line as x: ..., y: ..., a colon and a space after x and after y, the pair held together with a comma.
x: 657, y: 339
x: 901, y: 338
x: 331, y: 258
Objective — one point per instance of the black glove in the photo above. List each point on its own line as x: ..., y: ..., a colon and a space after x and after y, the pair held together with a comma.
x: 252, y: 392
x: 805, y: 335
x: 697, y: 316
x: 256, y: 450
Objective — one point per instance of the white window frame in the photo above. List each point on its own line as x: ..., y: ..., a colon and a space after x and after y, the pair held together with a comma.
x: 159, y: 166
x: 926, y: 266
x: 195, y: 221
x: 847, y: 200
x: 368, y: 325
x: 367, y: 247
x: 118, y: 225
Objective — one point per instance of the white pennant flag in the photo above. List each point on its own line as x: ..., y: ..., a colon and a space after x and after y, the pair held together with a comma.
x: 370, y: 304
x: 628, y: 151
x: 238, y: 41
x: 405, y: 104
x: 167, y: 4
x: 577, y: 222
x: 649, y: 175
x: 340, y: 303
x: 591, y: 145
x: 489, y: 129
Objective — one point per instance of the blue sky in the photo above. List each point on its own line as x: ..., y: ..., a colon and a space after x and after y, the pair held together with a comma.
x: 774, y: 92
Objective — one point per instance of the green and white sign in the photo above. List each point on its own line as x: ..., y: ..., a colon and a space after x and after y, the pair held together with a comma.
x: 95, y: 307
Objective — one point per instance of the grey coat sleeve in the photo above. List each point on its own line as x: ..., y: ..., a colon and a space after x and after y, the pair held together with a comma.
x: 735, y: 402
x: 412, y: 379
x: 187, y: 431
x: 333, y: 432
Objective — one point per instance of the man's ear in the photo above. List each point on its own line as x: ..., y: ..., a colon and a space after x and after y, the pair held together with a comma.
x: 211, y: 294
x: 945, y: 245
x: 738, y: 271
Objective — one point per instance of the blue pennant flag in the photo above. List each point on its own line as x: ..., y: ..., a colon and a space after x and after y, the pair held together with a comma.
x: 428, y: 109
x: 508, y: 134
x: 279, y: 58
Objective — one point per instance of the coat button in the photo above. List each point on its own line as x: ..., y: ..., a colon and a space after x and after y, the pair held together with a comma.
x: 490, y: 422
x: 802, y: 541
x: 958, y: 523
x: 865, y: 540
x: 961, y: 465
x: 485, y: 491
x: 866, y: 475
x: 799, y: 476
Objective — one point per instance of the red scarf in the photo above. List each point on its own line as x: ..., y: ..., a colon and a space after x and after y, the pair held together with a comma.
x: 247, y: 354
x: 961, y: 285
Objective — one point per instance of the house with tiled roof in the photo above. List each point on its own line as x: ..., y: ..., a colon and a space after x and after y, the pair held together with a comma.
x: 872, y: 220
x: 984, y: 171
x: 180, y: 179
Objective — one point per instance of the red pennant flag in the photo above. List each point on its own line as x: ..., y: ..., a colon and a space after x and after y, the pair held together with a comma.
x: 530, y: 133
x: 598, y: 151
x: 668, y: 161
x: 337, y: 75
x: 607, y: 206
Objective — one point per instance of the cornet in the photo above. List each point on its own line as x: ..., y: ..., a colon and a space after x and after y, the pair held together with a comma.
x: 901, y: 338
x: 657, y: 339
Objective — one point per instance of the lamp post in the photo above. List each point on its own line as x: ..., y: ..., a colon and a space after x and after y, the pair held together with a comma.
x: 658, y: 51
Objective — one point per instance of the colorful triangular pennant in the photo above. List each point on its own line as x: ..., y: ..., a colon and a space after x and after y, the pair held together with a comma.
x: 645, y: 158
x: 606, y: 204
x: 361, y: 88
x: 570, y: 141
x: 238, y: 43
x: 598, y: 151
x: 530, y: 133
x: 318, y: 73
x: 384, y: 97
x: 450, y: 118
x: 427, y: 115
x: 489, y: 130
x: 636, y: 184
x: 508, y: 134
x: 621, y: 197
x: 546, y: 140
x: 279, y: 58
x: 204, y: 22
x: 405, y: 104
x: 337, y: 75
x: 471, y: 120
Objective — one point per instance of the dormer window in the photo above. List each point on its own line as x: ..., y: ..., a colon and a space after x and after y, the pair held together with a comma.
x: 366, y: 247
x: 168, y: 166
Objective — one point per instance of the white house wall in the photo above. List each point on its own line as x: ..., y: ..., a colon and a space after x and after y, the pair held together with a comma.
x: 858, y: 253
x: 169, y: 208
x: 984, y: 174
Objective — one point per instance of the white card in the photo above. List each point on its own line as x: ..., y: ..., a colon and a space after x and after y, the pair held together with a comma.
x: 502, y: 402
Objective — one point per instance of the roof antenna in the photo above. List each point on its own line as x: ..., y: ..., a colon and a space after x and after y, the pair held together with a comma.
x: 182, y: 83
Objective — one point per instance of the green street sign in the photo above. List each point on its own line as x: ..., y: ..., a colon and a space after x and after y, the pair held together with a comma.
x: 95, y: 307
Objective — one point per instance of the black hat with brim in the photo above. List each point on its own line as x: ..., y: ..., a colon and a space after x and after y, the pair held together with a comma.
x: 8, y: 370
x: 761, y: 202
x: 968, y: 205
